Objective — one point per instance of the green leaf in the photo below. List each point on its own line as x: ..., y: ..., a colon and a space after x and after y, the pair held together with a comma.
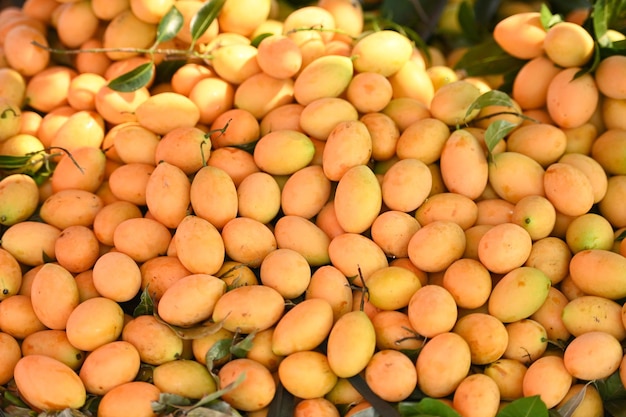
x: 145, y: 307
x: 219, y: 350
x: 570, y: 406
x: 525, y: 407
x: 496, y: 131
x: 601, y: 15
x: 170, y: 25
x: 241, y: 349
x: 488, y: 58
x: 173, y: 399
x: 616, y: 408
x: 201, y: 21
x: 485, y: 12
x: 490, y: 98
x: 427, y: 406
x: 468, y: 22
x: 547, y: 18
x: 134, y: 79
x: 257, y: 39
x: 611, y: 388
x: 621, y: 236
x: 217, y: 394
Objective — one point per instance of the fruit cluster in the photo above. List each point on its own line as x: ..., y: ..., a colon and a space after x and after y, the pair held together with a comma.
x: 304, y: 207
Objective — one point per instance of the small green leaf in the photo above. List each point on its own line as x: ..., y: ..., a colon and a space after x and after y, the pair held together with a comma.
x: 570, y: 406
x: 547, y: 18
x: 173, y: 399
x: 170, y: 25
x: 241, y: 349
x: 488, y: 58
x: 134, y: 79
x: 219, y: 350
x: 601, y: 14
x: 217, y: 394
x: 201, y: 21
x: 490, y: 98
x: 257, y: 39
x: 525, y: 407
x: 145, y: 307
x: 621, y: 236
x: 496, y: 131
x: 429, y: 406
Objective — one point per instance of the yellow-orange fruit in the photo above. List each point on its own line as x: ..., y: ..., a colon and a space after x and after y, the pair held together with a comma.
x: 609, y: 149
x: 552, y: 256
x: 320, y: 117
x: 125, y: 30
x: 593, y: 313
x: 356, y: 256
x: 303, y: 327
x: 48, y: 384
x: 108, y: 366
x: 54, y: 295
x: 155, y: 341
x: 307, y: 374
x: 528, y: 340
x: 392, y: 230
x: 436, y: 245
x: 316, y: 406
x: 393, y: 331
x: 406, y: 185
x: 10, y: 123
x: 259, y: 197
x: 447, y: 206
x: 568, y: 189
x: 351, y: 344
x: 372, y: 52
x: 504, y: 177
x: 283, y: 152
x: 358, y: 199
x: 391, y: 288
x: 568, y: 44
x: 604, y: 361
x: 11, y: 356
x: 548, y: 378
x: 286, y: 271
x: 571, y: 101
x: 486, y: 336
x: 423, y: 139
x: 591, y: 402
x: 391, y: 375
x: 543, y: 142
x: 477, y: 396
x: 508, y: 375
x: 167, y: 194
x: 19, y: 196
x: 141, y: 238
x: 521, y: 35
x: 11, y: 279
x: 30, y: 242
x: 70, y: 207
x: 256, y: 390
x: 261, y: 350
x: 504, y: 247
x: 469, y: 282
x: 518, y: 294
x: 462, y: 149
x: 451, y: 102
x: 135, y: 397
x: 94, y: 322
x: 549, y: 315
x: 329, y: 284
x: 84, y: 169
x: 247, y: 240
x: 608, y: 276
x: 447, y: 351
x: 326, y: 76
x: 213, y: 196
x: 349, y: 144
x: 530, y: 86
x: 536, y: 215
x: 196, y: 235
x: 432, y: 298
x: 164, y: 112
x: 110, y: 216
x: 20, y: 52
x: 184, y: 377
x: 77, y: 248
x: 18, y: 318
x: 608, y: 84
x: 305, y: 192
x: 249, y: 308
x: 303, y: 236
x: 261, y: 93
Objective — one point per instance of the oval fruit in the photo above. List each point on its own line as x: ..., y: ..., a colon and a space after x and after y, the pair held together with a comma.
x: 599, y: 272
x: 519, y: 294
x: 351, y: 344
x: 19, y: 198
x: 304, y: 327
x: 249, y: 308
x: 358, y: 199
x: 307, y: 374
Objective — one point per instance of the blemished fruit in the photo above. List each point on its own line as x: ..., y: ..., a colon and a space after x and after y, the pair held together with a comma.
x: 307, y: 201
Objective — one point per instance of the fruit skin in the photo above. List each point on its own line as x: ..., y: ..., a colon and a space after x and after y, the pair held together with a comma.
x: 307, y: 374
x: 383, y: 52
x: 19, y: 198
x: 184, y: 377
x: 11, y: 275
x: 548, y: 378
x: 257, y: 389
x: 351, y: 344
x: 327, y: 76
x: 48, y: 384
x: 519, y: 294
x: 599, y: 272
x: 605, y: 359
x: 249, y: 308
x: 303, y: 327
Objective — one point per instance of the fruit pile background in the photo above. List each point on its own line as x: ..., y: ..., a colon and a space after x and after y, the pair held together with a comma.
x: 323, y: 208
